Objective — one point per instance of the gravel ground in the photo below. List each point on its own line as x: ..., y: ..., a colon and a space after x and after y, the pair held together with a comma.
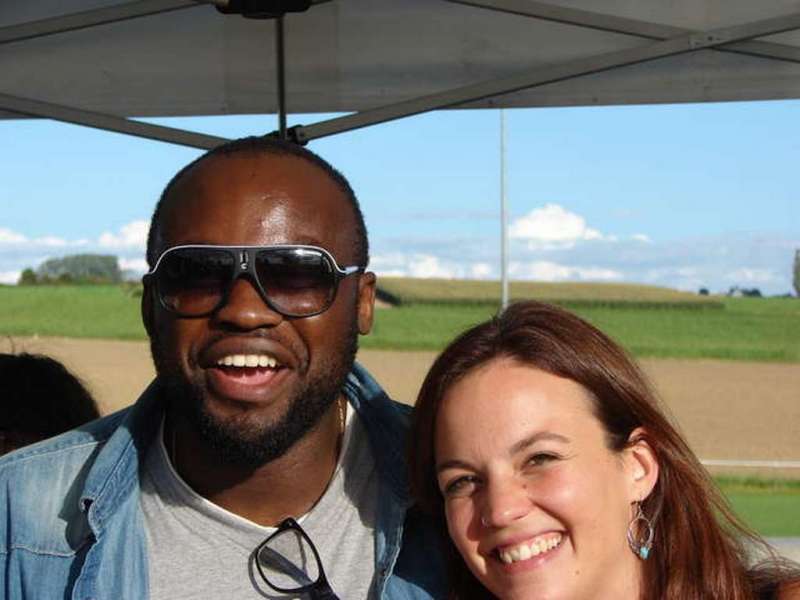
x: 726, y: 409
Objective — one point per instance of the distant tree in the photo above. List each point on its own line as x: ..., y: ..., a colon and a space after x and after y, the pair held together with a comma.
x: 739, y: 292
x: 797, y: 273
x: 27, y: 277
x: 80, y: 268
x: 703, y: 291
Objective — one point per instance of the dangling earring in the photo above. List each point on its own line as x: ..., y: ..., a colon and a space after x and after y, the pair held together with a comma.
x: 640, y: 537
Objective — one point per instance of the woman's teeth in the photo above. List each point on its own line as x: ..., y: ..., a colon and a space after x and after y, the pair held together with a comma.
x: 248, y: 360
x: 528, y: 550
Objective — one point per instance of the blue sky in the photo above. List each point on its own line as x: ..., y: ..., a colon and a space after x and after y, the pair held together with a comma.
x: 684, y: 196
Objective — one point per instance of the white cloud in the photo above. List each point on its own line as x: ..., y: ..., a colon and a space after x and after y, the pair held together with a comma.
x: 425, y: 266
x: 543, y: 270
x: 8, y: 236
x: 137, y: 265
x: 52, y: 241
x: 552, y: 227
x: 688, y: 277
x: 641, y: 237
x: 10, y: 277
x: 132, y: 235
x: 480, y: 270
x: 431, y: 266
x: 746, y: 275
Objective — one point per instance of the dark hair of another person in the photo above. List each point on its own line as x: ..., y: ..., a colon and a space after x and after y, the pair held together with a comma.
x: 272, y: 146
x: 40, y: 399
x: 700, y: 548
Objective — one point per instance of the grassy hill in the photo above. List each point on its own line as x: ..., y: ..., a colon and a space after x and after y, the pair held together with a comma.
x: 405, y: 290
x: 432, y: 312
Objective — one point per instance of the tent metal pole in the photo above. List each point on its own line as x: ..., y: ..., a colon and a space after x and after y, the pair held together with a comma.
x: 503, y: 216
x: 160, y: 133
x: 90, y: 18
x: 624, y: 25
x: 281, y: 72
x: 550, y: 74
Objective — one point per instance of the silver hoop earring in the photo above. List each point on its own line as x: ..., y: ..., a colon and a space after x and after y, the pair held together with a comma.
x: 484, y: 522
x: 640, y: 533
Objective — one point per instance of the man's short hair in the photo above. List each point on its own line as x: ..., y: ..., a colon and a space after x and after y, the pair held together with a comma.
x: 270, y: 146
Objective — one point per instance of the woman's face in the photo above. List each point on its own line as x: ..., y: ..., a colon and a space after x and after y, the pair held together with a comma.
x: 536, y: 503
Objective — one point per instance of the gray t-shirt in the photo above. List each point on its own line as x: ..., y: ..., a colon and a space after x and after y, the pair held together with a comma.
x: 197, y: 549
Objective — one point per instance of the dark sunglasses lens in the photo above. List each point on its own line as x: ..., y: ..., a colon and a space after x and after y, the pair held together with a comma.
x: 298, y: 281
x: 191, y: 281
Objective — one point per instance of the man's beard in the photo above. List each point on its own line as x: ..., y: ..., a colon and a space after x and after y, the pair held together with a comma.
x: 253, y: 445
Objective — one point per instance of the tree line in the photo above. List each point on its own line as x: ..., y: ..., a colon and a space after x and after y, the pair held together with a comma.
x: 74, y: 269
x: 104, y: 268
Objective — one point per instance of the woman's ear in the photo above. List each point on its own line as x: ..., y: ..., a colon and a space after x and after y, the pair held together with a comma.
x: 641, y: 464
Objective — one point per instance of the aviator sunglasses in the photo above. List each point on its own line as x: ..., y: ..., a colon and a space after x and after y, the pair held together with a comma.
x: 293, y: 280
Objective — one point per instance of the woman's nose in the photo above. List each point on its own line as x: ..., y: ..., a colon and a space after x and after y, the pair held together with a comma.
x: 505, y: 502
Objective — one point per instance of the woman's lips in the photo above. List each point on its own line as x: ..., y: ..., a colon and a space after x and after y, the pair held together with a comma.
x: 529, y: 553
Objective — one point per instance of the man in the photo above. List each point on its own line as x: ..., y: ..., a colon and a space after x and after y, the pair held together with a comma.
x: 253, y: 305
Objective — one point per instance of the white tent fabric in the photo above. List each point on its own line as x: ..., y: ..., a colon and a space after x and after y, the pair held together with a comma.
x: 407, y: 55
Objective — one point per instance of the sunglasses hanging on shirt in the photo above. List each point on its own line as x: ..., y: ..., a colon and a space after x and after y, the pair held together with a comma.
x: 289, y: 563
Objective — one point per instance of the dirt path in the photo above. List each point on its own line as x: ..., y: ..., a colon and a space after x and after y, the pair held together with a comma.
x: 728, y: 410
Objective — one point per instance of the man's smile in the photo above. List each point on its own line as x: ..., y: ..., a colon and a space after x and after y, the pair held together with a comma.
x: 246, y: 384
x: 250, y: 369
x: 249, y: 361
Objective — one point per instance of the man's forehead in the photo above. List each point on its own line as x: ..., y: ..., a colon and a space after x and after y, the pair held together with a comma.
x: 254, y: 168
x: 283, y: 194
x: 232, y: 178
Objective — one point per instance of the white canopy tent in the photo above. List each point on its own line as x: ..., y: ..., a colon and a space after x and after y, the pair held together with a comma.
x: 384, y: 59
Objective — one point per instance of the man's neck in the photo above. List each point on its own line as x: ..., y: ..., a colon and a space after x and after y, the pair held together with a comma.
x: 286, y: 486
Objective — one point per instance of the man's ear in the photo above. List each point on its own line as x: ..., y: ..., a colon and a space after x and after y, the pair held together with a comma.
x: 148, y: 312
x: 641, y: 464
x: 366, y: 302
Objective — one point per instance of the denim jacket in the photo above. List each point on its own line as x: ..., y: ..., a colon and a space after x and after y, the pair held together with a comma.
x: 72, y: 526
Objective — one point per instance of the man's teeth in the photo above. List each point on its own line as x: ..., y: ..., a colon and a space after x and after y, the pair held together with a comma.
x: 528, y: 550
x: 248, y: 360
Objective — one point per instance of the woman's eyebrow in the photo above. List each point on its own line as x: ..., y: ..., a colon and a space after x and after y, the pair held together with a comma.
x: 516, y: 448
x: 452, y: 464
x: 537, y: 437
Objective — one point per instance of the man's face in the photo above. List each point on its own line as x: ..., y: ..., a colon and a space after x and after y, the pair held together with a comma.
x: 251, y: 415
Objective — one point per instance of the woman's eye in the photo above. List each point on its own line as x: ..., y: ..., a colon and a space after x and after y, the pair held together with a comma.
x: 463, y: 486
x: 541, y: 458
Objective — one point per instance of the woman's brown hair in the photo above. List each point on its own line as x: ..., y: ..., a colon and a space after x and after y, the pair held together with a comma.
x: 700, y: 547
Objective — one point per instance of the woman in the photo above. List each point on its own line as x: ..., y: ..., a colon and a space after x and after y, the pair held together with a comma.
x: 539, y: 446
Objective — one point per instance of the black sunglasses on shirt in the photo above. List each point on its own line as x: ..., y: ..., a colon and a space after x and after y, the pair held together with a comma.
x: 289, y: 563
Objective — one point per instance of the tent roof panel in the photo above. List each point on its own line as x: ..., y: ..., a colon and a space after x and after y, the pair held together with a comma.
x: 351, y: 55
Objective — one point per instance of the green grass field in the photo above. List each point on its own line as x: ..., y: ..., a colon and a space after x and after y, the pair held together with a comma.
x: 744, y: 329
x: 88, y: 311
x: 657, y: 323
x: 770, y: 507
x: 761, y: 329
